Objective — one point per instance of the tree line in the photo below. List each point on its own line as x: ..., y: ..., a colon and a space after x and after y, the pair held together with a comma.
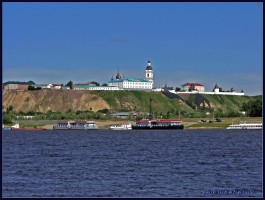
x: 70, y: 84
x: 253, y: 108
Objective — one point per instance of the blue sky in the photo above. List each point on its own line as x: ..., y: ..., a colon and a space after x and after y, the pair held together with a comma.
x: 207, y: 43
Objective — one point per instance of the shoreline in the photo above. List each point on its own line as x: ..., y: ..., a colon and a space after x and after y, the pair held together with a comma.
x: 189, y: 123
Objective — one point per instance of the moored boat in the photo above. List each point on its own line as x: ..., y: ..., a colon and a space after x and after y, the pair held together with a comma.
x: 158, y: 124
x: 121, y: 127
x: 76, y: 125
x: 6, y: 128
x: 249, y: 126
x: 17, y: 127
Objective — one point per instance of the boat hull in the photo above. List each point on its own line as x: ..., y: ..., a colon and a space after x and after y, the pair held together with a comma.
x: 246, y: 126
x: 119, y: 129
x: 27, y: 129
x: 158, y: 128
x: 75, y: 128
x: 75, y: 125
x: 122, y: 127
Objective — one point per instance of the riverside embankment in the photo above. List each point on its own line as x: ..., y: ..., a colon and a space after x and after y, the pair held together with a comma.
x: 189, y: 123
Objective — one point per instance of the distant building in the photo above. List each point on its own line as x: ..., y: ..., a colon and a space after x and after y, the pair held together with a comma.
x: 89, y: 86
x: 194, y: 86
x: 57, y: 86
x: 134, y: 83
x: 65, y: 87
x: 218, y: 90
x: 52, y: 86
x: 25, y: 117
x: 46, y: 86
x: 121, y: 114
x: 16, y: 85
x: 167, y: 88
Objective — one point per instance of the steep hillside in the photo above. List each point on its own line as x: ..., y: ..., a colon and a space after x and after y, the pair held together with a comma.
x: 64, y: 100
x: 140, y: 101
x: 54, y: 100
x: 225, y: 103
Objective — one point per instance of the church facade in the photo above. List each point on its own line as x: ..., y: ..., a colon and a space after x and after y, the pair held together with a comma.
x: 134, y: 83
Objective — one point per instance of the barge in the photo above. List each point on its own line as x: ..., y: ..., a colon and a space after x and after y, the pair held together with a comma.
x: 75, y: 125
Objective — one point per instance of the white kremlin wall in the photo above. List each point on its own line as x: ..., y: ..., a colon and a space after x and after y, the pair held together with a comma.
x: 215, y: 92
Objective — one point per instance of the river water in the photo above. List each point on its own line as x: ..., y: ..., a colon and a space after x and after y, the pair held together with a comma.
x: 104, y: 163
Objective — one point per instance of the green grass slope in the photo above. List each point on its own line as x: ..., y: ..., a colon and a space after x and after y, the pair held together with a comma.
x: 140, y: 101
x: 227, y: 103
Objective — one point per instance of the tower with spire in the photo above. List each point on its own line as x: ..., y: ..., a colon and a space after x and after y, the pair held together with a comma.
x: 149, y: 72
x: 118, y: 76
x: 123, y: 83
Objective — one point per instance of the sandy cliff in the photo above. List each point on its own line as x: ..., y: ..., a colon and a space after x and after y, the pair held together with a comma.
x: 54, y: 100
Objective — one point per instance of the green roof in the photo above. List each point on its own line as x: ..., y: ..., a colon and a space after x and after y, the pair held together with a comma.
x: 18, y: 82
x: 86, y: 86
x: 130, y: 80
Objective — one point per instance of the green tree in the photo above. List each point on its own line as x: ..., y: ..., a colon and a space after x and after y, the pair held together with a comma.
x: 105, y: 111
x: 177, y: 89
x: 70, y: 84
x: 139, y: 117
x: 31, y: 112
x: 33, y: 88
x: 253, y: 108
x: 9, y: 109
x: 191, y: 88
x: 7, y: 118
x: 96, y: 83
x: 104, y: 84
x: 233, y: 113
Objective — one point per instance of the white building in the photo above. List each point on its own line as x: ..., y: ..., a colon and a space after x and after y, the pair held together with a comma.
x: 217, y: 90
x: 135, y: 83
x: 93, y: 87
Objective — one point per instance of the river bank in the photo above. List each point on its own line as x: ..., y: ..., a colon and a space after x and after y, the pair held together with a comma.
x: 189, y: 123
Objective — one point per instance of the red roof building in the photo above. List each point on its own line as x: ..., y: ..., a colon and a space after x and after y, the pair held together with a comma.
x: 190, y: 84
x: 192, y: 87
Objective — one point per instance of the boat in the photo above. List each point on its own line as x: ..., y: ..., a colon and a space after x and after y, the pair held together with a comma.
x: 17, y: 127
x: 249, y: 126
x: 121, y: 127
x: 75, y: 125
x: 158, y: 124
x: 6, y: 128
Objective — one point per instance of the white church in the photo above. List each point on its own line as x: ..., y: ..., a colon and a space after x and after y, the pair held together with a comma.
x: 134, y: 83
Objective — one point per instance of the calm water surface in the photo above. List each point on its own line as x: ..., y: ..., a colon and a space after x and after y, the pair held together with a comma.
x: 182, y: 163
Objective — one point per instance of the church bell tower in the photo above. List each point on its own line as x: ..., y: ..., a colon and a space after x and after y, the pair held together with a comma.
x: 149, y: 72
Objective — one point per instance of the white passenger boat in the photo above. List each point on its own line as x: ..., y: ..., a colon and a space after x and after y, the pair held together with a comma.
x: 76, y: 125
x: 246, y: 126
x: 121, y: 127
x: 159, y: 124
